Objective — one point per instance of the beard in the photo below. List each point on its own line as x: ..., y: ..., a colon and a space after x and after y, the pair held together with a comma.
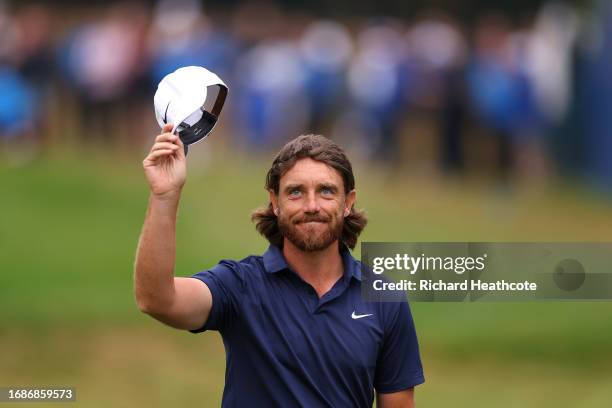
x: 311, y: 237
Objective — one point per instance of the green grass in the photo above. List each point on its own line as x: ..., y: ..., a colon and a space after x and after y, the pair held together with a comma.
x: 68, y: 232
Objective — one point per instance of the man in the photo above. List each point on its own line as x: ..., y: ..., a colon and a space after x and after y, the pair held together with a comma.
x: 295, y: 327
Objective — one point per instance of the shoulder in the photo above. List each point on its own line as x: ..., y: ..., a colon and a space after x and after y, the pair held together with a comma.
x: 250, y: 264
x: 249, y: 267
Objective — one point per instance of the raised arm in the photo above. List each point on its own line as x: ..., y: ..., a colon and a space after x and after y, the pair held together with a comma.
x: 183, y: 303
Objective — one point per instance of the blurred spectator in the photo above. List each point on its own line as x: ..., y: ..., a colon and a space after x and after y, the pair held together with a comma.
x: 8, y: 33
x: 34, y: 60
x: 34, y: 55
x: 326, y: 47
x: 19, y: 102
x: 103, y: 59
x: 374, y: 85
x: 437, y: 53
x: 597, y: 105
x: 549, y: 59
x: 271, y: 103
x: 181, y: 35
x: 499, y: 88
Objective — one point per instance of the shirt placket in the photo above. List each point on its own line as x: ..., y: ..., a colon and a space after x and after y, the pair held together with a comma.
x: 335, y: 292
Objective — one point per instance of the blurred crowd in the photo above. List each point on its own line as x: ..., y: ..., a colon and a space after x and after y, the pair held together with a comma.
x: 494, y: 96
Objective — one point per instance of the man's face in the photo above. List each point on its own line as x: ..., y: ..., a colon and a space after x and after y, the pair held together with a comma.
x: 311, y: 205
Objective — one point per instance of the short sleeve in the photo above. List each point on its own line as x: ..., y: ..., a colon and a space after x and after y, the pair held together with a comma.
x: 399, y: 364
x: 225, y: 282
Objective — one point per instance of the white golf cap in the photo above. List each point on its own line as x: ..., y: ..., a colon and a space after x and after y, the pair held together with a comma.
x: 181, y: 99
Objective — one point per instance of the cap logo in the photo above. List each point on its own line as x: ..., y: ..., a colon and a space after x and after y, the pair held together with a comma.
x: 166, y: 113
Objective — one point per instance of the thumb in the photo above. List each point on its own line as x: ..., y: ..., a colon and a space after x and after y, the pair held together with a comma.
x: 167, y: 128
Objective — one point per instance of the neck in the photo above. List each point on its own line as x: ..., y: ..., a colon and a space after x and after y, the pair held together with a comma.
x: 321, y: 269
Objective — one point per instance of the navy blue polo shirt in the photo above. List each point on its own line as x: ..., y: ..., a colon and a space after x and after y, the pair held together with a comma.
x: 286, y: 347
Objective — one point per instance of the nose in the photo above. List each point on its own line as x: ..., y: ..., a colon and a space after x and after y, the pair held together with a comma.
x: 311, y: 204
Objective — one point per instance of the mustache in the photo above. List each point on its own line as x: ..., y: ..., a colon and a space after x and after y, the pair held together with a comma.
x: 311, y: 218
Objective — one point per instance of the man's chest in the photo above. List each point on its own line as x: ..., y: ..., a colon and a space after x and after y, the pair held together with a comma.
x: 337, y: 334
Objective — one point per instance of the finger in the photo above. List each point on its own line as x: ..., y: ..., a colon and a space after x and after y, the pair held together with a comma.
x: 164, y: 145
x: 181, y: 151
x: 167, y: 128
x: 153, y: 156
x: 166, y: 137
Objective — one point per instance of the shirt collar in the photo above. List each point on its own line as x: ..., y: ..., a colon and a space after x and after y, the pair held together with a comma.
x: 274, y: 261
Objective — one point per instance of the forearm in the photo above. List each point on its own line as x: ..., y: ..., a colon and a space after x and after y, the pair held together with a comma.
x: 400, y: 399
x: 155, y: 256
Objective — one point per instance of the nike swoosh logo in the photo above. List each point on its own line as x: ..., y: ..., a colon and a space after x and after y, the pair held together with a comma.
x: 166, y: 113
x: 356, y: 316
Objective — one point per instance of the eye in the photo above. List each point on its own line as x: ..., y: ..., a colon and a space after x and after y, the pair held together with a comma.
x: 294, y: 192
x: 327, y: 191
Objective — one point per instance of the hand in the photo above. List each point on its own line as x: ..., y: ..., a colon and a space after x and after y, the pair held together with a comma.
x: 165, y: 166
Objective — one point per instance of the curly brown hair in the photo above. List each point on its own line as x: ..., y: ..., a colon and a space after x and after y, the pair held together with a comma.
x: 323, y: 150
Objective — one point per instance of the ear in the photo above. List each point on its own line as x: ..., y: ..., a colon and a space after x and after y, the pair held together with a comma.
x: 274, y: 202
x: 349, y: 202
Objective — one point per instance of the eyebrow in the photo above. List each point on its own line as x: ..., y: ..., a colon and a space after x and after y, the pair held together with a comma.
x: 294, y: 186
x: 330, y: 186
